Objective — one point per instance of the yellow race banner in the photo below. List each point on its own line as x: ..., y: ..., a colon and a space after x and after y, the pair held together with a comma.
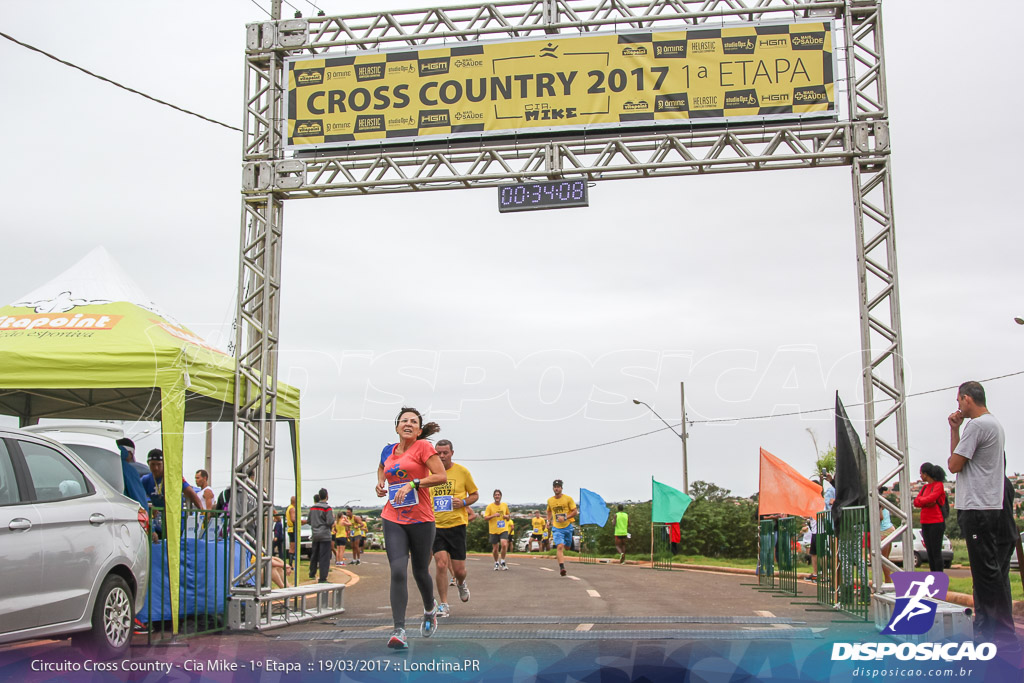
x: 748, y: 72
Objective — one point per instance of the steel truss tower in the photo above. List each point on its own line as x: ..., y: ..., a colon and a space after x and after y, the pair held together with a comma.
x: 860, y: 139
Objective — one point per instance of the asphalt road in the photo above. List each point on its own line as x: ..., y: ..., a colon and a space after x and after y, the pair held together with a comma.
x: 691, y: 618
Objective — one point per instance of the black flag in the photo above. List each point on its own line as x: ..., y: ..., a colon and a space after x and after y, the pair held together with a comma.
x: 851, y: 479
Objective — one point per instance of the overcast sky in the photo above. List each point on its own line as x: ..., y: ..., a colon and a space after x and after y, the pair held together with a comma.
x: 529, y: 334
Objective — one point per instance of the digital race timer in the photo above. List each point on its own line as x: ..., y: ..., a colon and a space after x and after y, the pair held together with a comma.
x: 554, y: 194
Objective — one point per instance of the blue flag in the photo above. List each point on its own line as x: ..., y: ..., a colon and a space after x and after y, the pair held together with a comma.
x: 593, y: 509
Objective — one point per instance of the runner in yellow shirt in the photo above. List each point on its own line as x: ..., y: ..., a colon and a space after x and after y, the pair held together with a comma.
x: 561, y: 511
x: 289, y: 521
x: 340, y: 538
x: 451, y: 515
x: 497, y: 517
x: 539, y: 525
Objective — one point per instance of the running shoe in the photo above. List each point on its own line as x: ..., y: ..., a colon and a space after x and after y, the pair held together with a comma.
x: 451, y: 581
x: 497, y: 567
x: 443, y: 610
x: 504, y: 567
x: 429, y: 624
x: 463, y: 591
x: 812, y: 577
x: 622, y: 558
x: 397, y: 640
x: 562, y: 571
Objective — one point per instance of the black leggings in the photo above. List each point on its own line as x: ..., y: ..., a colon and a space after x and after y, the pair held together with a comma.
x: 401, y: 541
x: 931, y: 534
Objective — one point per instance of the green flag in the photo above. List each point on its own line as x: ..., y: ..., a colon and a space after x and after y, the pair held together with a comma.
x: 669, y: 504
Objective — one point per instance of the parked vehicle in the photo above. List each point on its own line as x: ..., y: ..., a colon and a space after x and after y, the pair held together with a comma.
x: 96, y: 444
x: 1013, y: 558
x: 920, y: 554
x: 524, y: 541
x: 374, y: 541
x: 75, y: 550
x: 306, y: 539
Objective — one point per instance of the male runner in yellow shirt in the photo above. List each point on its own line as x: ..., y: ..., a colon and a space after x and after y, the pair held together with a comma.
x: 497, y: 517
x: 538, y: 524
x: 561, y: 511
x: 451, y: 503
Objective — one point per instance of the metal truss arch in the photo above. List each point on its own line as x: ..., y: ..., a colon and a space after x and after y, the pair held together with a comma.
x: 859, y: 139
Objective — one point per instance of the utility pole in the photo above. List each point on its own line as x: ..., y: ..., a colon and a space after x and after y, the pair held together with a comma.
x: 209, y: 447
x: 682, y: 428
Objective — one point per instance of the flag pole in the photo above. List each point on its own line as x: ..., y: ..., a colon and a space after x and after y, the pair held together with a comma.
x: 652, y: 522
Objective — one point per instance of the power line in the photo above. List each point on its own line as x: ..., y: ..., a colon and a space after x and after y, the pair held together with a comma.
x: 661, y: 429
x: 115, y: 83
x: 262, y: 8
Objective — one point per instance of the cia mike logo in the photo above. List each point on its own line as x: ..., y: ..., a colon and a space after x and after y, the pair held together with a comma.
x: 916, y: 593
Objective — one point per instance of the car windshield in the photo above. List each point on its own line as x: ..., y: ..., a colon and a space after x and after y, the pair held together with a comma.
x: 106, y: 464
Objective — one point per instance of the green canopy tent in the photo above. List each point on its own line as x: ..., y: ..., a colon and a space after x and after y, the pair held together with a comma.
x: 90, y: 345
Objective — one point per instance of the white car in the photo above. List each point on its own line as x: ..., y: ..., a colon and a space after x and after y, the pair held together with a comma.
x: 96, y: 444
x: 75, y: 550
x: 920, y: 554
x: 1013, y: 558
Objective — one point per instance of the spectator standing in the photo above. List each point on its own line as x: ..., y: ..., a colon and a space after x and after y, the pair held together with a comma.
x: 205, y: 492
x: 279, y: 547
x: 977, y: 457
x: 132, y: 481
x: 321, y: 521
x: 153, y: 483
x: 885, y: 526
x: 930, y: 499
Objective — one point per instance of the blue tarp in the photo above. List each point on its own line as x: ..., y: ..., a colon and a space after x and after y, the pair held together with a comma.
x: 202, y: 584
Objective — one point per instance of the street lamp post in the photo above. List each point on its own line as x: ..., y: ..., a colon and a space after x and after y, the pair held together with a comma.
x: 682, y: 435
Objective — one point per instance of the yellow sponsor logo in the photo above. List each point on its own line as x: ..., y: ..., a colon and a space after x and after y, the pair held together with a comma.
x: 79, y: 321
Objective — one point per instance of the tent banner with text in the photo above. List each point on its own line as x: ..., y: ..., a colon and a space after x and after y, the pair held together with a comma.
x: 731, y: 73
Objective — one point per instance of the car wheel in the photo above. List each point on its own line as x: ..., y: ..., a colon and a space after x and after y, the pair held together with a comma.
x: 112, y: 618
x: 947, y: 564
x: 918, y: 560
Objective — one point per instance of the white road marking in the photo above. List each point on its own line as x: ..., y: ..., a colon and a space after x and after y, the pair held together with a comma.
x: 584, y: 627
x: 574, y: 578
x: 547, y: 569
x: 766, y: 613
x: 593, y: 593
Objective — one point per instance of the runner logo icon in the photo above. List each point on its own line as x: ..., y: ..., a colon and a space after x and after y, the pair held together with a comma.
x: 916, y: 593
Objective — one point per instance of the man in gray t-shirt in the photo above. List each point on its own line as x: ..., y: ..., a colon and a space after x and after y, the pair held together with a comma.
x: 977, y: 458
x: 979, y: 484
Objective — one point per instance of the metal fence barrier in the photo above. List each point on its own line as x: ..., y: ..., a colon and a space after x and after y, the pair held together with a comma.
x: 202, y: 578
x: 766, y: 539
x: 788, y: 551
x: 588, y: 545
x: 854, y: 589
x: 843, y: 562
x: 661, y: 548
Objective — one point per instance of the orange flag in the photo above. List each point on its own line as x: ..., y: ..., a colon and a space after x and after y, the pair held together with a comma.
x: 783, y: 490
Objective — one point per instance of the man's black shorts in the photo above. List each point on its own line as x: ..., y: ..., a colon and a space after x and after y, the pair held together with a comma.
x: 497, y: 538
x: 813, y: 550
x: 453, y: 540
